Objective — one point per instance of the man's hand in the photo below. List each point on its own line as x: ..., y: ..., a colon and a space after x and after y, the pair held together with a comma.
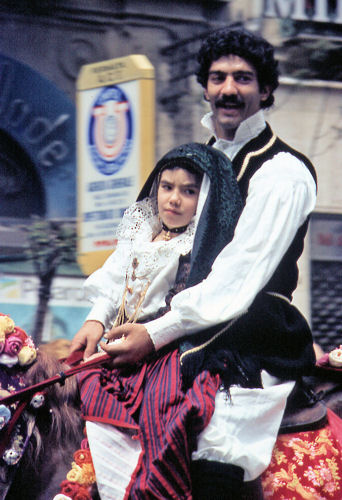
x: 134, y: 346
x: 88, y: 336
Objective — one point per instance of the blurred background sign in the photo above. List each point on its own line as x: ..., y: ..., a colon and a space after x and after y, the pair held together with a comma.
x: 115, y: 149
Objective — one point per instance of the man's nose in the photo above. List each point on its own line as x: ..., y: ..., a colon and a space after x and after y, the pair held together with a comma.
x: 229, y: 86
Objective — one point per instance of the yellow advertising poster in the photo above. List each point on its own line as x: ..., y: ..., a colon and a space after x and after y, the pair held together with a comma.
x: 115, y: 153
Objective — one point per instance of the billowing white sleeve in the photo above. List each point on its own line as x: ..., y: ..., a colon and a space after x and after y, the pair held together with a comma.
x: 104, y: 287
x: 281, y: 195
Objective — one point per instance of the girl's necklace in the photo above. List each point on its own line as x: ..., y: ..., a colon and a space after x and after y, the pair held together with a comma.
x: 168, y: 231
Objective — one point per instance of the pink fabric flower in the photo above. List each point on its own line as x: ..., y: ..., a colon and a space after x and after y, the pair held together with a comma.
x: 13, y: 345
x: 20, y: 333
x: 84, y: 444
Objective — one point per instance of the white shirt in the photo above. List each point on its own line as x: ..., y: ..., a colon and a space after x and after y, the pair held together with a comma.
x: 281, y: 194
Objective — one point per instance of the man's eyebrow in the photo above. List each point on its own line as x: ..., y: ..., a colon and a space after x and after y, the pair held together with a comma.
x: 217, y: 72
x: 244, y: 72
x: 237, y: 72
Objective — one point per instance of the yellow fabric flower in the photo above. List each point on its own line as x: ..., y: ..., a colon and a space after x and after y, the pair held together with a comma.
x: 27, y: 355
x: 75, y: 474
x: 88, y: 475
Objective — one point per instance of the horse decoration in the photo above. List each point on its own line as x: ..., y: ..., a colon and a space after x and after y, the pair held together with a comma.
x: 44, y: 452
x: 40, y: 430
x: 17, y: 349
x: 307, y: 457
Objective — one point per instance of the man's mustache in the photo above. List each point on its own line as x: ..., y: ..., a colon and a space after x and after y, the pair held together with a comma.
x: 222, y: 102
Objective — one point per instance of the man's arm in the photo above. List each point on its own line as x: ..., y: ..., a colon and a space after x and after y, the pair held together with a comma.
x: 133, y: 344
x: 281, y: 195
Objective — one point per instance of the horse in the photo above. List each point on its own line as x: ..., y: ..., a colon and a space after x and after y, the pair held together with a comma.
x: 59, y: 430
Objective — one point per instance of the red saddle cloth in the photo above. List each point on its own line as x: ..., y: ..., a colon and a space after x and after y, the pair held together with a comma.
x: 307, y: 465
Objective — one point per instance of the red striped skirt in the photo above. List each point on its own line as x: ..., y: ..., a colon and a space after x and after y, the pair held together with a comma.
x: 151, y: 403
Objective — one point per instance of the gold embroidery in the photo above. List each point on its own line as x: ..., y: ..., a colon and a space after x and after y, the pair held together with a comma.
x: 292, y: 482
x: 311, y: 467
x: 321, y: 446
x: 255, y: 153
x: 279, y: 456
x: 208, y: 342
x: 334, y: 468
x: 280, y: 296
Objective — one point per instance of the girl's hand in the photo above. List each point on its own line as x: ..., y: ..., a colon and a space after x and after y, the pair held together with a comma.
x: 87, y: 338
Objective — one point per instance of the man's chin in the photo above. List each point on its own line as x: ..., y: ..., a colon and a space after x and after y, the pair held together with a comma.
x: 227, y: 128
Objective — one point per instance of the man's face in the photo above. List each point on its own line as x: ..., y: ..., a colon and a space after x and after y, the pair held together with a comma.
x: 234, y: 94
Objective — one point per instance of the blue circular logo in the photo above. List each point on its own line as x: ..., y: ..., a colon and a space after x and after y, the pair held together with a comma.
x: 110, y: 130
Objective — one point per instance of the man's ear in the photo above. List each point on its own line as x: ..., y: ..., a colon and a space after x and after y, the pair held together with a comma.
x: 205, y: 95
x: 265, y: 92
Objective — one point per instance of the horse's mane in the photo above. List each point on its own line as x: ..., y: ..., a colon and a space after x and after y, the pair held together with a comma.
x: 58, y: 422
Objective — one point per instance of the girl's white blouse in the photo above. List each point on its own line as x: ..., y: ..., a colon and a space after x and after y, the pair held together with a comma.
x: 137, y: 264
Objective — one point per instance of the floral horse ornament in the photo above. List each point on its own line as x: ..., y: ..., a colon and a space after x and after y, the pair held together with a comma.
x: 17, y: 352
x: 16, y: 347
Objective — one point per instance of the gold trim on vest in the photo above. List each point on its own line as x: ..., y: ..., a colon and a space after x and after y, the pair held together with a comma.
x: 255, y: 153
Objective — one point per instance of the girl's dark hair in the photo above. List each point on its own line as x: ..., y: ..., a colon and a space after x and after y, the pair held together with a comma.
x: 238, y: 41
x: 185, y: 164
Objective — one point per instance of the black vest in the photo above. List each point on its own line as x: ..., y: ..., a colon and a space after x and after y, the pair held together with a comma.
x: 249, y: 159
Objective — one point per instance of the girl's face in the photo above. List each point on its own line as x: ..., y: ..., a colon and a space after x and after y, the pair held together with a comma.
x: 177, y: 197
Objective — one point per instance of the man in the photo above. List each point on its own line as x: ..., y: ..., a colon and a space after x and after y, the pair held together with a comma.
x: 239, y: 75
x: 250, y: 285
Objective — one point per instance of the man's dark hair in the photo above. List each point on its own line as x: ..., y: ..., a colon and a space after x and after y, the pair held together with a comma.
x: 240, y: 42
